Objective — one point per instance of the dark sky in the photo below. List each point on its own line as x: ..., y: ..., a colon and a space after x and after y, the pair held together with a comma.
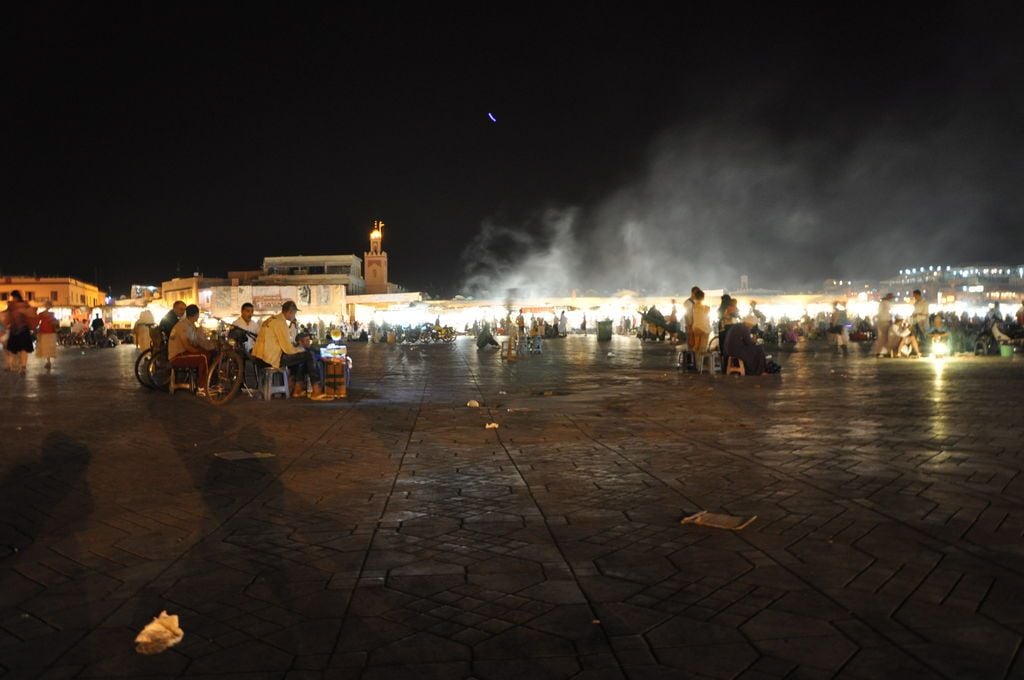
x: 148, y: 140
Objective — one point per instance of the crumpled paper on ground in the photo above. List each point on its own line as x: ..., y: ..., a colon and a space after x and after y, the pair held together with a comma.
x: 473, y: 403
x: 159, y: 634
x: 491, y: 426
x: 719, y: 521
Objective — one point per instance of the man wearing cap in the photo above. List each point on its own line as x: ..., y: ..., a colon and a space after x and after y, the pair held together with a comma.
x: 304, y: 339
x: 882, y: 327
x: 274, y: 347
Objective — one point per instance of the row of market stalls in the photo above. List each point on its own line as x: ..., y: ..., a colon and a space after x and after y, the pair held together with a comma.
x: 329, y: 306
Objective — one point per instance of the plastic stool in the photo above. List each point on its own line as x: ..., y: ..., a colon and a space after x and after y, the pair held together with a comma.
x: 270, y: 385
x: 735, y: 365
x: 713, y: 361
x: 188, y: 384
x: 685, y: 359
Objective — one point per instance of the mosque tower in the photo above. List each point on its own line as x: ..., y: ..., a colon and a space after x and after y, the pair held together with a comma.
x: 375, y: 262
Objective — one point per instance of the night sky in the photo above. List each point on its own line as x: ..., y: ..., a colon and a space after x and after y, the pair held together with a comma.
x: 148, y: 141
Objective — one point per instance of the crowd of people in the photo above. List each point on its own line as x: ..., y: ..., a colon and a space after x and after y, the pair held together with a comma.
x: 24, y: 329
x: 277, y: 342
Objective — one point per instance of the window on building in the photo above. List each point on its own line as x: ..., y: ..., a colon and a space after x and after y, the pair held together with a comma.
x: 81, y: 299
x: 30, y: 295
x: 53, y: 296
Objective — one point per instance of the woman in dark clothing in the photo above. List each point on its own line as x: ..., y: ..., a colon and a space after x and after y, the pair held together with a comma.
x: 740, y: 343
x: 21, y: 318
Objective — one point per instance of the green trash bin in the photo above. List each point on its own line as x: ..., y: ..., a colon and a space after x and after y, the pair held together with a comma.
x: 1006, y: 351
x: 604, y: 330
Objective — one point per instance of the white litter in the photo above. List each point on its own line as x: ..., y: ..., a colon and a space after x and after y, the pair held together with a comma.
x: 491, y: 426
x: 473, y: 403
x: 159, y: 634
x: 502, y: 392
x: 611, y: 354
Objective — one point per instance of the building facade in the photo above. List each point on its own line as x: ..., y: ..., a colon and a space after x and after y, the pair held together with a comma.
x: 61, y: 291
x: 979, y: 284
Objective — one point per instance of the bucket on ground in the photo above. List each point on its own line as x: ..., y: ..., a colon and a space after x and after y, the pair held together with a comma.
x: 604, y: 330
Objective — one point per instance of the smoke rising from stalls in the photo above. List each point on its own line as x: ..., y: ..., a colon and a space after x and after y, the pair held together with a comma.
x: 719, y: 201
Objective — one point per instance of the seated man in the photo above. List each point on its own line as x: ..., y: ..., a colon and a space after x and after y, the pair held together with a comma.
x: 248, y: 329
x: 485, y: 338
x: 188, y: 347
x: 305, y: 340
x: 171, y: 318
x: 740, y: 344
x: 274, y: 347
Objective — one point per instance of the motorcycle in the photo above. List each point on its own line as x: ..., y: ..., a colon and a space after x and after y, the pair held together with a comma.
x: 992, y: 335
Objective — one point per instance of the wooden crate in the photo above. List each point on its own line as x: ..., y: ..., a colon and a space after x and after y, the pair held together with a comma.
x: 335, y: 384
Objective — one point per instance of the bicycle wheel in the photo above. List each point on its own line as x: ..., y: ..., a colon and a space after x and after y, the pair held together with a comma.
x: 224, y: 379
x: 160, y: 370
x: 142, y: 368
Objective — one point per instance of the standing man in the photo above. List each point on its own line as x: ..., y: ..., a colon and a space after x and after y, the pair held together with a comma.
x: 882, y: 326
x: 46, y: 335
x: 688, y: 314
x: 919, y: 319
x: 275, y: 348
x: 838, y: 327
x: 97, y: 330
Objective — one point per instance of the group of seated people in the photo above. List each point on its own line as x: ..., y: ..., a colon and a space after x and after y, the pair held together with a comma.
x: 269, y: 344
x: 741, y: 344
x: 736, y: 336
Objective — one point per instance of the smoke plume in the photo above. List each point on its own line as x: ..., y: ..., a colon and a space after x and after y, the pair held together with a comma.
x: 721, y: 200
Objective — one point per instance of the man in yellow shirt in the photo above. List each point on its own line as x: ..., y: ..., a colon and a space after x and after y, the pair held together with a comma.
x: 274, y: 346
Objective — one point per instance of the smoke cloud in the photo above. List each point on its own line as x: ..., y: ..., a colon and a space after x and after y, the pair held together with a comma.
x: 721, y: 200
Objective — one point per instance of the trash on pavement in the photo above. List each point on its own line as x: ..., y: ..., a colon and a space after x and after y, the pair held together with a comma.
x: 473, y: 403
x: 242, y: 455
x: 159, y: 634
x: 719, y: 520
x: 491, y: 426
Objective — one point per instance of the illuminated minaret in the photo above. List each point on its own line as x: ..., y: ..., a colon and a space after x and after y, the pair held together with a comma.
x: 375, y: 262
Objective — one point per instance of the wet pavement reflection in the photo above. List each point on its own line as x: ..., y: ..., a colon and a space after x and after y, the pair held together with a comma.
x: 392, y: 535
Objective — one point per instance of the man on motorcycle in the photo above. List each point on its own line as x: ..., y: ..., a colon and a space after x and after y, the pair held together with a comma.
x: 246, y: 323
x: 188, y: 347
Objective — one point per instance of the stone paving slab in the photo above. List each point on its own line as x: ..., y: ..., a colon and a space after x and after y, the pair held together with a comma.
x: 391, y: 535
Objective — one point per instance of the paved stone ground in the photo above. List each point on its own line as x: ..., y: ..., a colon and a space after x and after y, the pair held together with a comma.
x: 392, y: 536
